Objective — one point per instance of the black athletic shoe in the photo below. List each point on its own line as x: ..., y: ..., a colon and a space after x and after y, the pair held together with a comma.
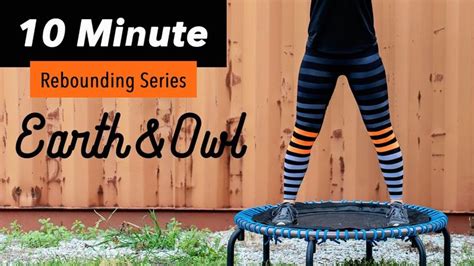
x: 397, y: 215
x: 284, y: 214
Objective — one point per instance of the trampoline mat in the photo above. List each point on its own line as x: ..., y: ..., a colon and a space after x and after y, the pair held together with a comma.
x: 341, y: 216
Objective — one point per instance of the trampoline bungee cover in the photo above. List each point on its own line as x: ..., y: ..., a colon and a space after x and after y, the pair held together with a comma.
x: 342, y: 220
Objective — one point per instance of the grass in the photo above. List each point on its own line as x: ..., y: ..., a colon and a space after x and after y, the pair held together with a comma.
x: 468, y: 253
x: 91, y: 262
x: 189, y: 246
x: 145, y: 238
x: 49, y: 235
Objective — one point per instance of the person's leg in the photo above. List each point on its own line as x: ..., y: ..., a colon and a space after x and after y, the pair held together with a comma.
x: 316, y: 83
x: 369, y: 86
x: 368, y: 82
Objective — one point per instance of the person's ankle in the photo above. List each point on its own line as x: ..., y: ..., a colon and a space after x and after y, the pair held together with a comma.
x: 289, y: 201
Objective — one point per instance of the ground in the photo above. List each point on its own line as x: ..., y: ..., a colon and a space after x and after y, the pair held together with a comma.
x: 131, y: 244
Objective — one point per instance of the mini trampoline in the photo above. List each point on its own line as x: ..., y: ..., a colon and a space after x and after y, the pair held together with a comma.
x: 321, y: 221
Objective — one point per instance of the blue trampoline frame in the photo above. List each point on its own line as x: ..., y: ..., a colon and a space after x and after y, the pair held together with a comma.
x: 438, y: 222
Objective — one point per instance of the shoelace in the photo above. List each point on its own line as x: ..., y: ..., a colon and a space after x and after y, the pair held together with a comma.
x: 395, y: 211
x: 284, y: 209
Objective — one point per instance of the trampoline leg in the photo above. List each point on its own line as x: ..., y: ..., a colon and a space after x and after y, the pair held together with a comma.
x: 416, y: 241
x: 266, y: 250
x: 447, y: 246
x: 368, y: 251
x: 238, y: 234
x: 310, y: 250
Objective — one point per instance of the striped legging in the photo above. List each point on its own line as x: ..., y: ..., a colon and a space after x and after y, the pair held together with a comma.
x: 317, y: 80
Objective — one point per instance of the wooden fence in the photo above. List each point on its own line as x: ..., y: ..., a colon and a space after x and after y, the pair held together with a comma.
x: 428, y: 50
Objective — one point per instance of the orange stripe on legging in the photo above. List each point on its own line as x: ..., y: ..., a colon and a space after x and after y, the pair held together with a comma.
x: 301, y: 142
x: 380, y: 132
x: 384, y: 140
x: 388, y: 147
x: 299, y: 151
x: 306, y: 133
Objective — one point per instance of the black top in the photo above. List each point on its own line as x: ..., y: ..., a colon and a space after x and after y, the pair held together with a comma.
x: 341, y: 25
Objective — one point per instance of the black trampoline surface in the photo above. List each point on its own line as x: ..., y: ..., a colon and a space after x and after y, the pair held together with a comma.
x: 342, y: 216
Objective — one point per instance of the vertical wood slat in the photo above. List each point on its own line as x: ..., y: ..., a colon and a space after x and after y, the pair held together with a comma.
x: 233, y: 81
x: 451, y: 100
x: 427, y: 50
x: 10, y: 99
x: 3, y: 142
x: 109, y: 186
x: 250, y: 182
x: 164, y: 171
x: 464, y: 96
x: 53, y: 194
x: 438, y: 109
